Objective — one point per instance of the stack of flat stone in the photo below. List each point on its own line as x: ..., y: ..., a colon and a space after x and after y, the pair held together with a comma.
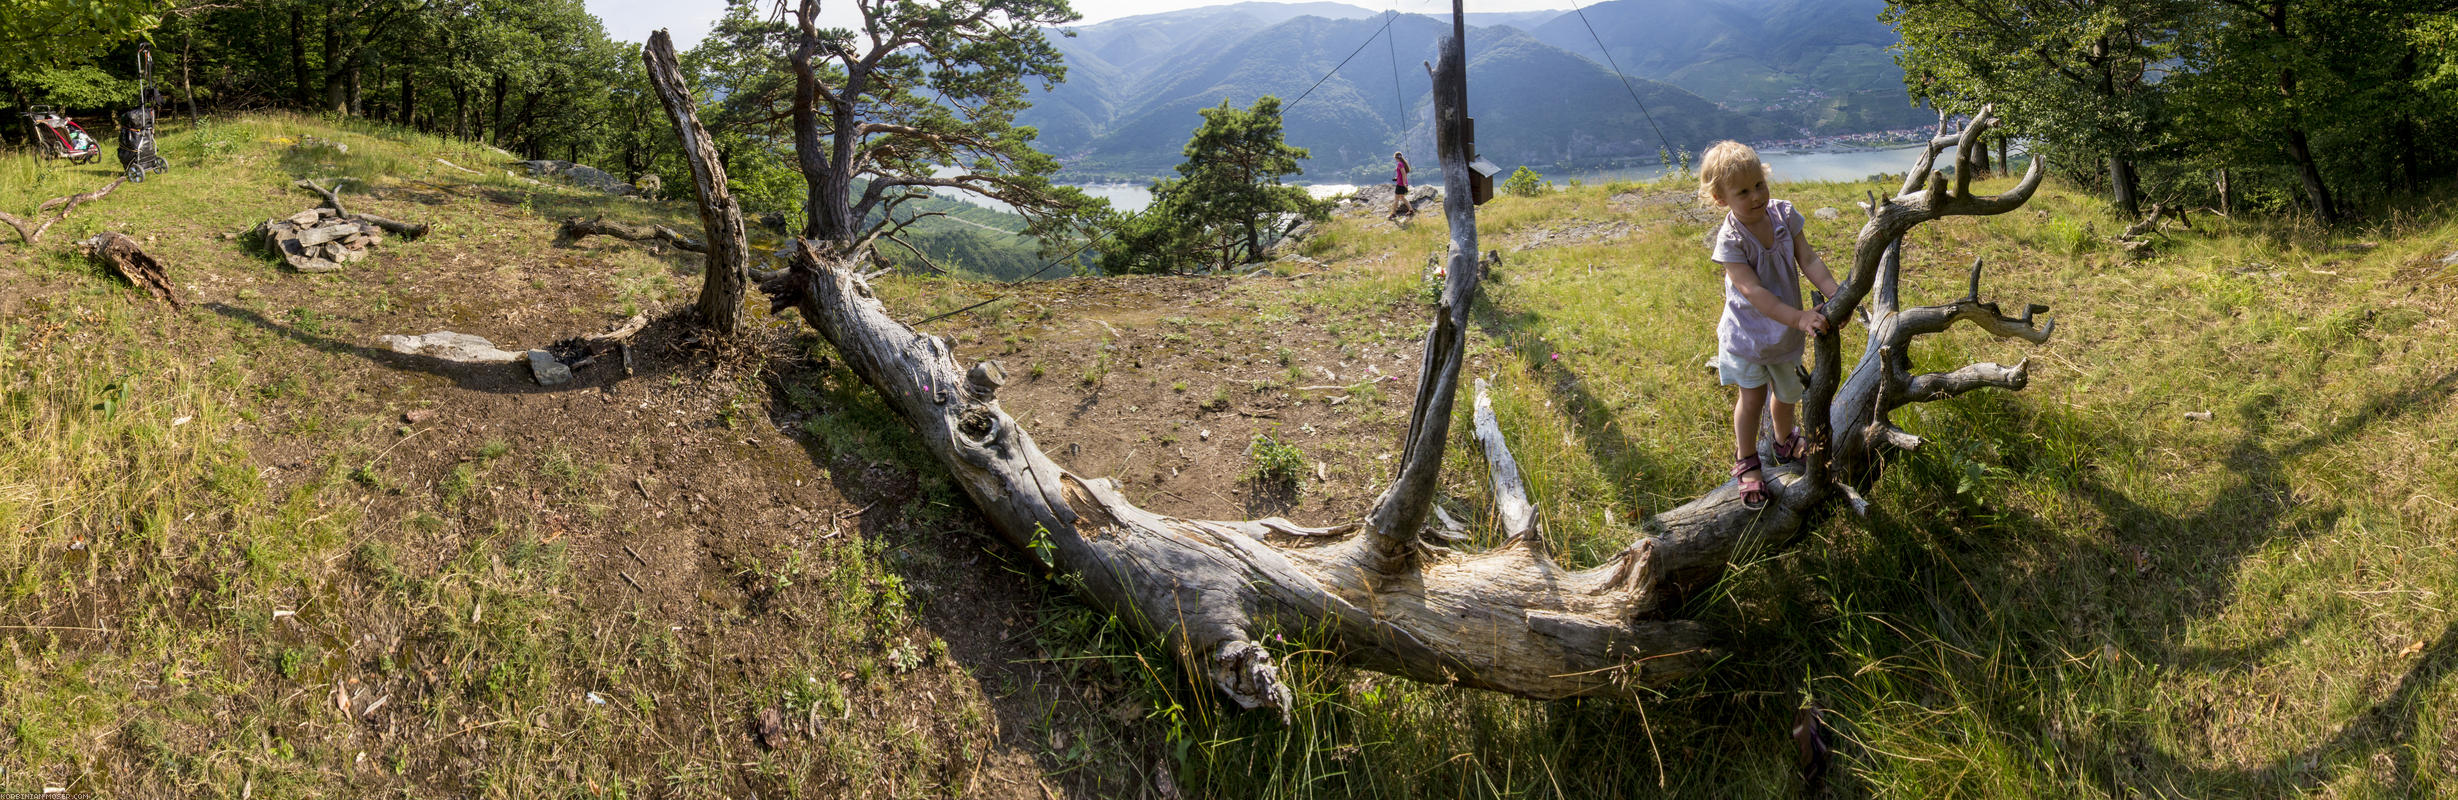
x: 320, y: 240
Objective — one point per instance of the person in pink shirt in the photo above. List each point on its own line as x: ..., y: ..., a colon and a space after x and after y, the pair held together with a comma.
x: 1399, y: 187
x: 1764, y: 253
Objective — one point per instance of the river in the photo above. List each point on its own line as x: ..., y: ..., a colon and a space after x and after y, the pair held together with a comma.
x: 1813, y: 165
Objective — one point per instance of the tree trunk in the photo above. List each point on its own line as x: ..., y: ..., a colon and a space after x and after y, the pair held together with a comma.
x: 2227, y: 195
x: 575, y: 229
x: 357, y: 102
x: 409, y: 95
x: 187, y: 87
x: 336, y: 94
x: 827, y: 175
x: 2301, y: 150
x: 298, y: 55
x: 727, y: 267
x: 1372, y: 594
x: 2005, y: 165
x: 495, y: 116
x: 460, y: 109
x: 2121, y: 186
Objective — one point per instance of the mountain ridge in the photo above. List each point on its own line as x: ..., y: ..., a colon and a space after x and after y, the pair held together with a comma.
x: 1134, y: 83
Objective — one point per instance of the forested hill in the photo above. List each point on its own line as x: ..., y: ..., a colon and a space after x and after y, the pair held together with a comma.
x: 1818, y: 65
x: 1537, y: 104
x: 1777, y: 70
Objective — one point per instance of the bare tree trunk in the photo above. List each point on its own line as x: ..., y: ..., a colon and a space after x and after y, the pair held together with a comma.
x: 123, y: 255
x: 727, y: 267
x: 576, y: 229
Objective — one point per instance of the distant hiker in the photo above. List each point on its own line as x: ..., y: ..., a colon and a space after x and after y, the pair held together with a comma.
x: 1399, y: 187
x: 1764, y: 253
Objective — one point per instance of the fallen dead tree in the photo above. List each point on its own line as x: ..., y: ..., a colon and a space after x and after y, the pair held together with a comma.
x: 1383, y: 593
x: 31, y: 231
x: 575, y: 229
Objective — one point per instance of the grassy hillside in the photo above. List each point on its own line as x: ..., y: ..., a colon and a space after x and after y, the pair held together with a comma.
x: 233, y: 562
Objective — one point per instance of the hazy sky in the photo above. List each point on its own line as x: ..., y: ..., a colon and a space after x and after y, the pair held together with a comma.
x: 688, y: 20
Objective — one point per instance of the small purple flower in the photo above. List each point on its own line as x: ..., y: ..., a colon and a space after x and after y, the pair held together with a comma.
x: 1557, y: 356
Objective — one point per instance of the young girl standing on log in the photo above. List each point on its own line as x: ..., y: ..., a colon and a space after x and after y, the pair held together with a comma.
x: 1764, y: 254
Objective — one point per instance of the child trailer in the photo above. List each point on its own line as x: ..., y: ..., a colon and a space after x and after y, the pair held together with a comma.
x: 136, y: 133
x: 61, y: 137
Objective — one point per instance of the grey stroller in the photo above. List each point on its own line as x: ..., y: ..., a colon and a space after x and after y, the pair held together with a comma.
x: 136, y: 133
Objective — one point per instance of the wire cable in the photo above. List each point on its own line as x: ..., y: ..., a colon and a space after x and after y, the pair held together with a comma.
x: 1335, y: 70
x: 1617, y: 73
x: 1399, y: 103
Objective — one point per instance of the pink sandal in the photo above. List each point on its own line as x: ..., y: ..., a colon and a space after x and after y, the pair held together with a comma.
x: 1753, y: 490
x: 1790, y: 450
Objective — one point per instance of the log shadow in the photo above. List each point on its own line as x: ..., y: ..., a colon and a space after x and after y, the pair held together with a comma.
x: 2385, y: 729
x: 2150, y: 576
x: 1569, y: 390
x: 511, y: 377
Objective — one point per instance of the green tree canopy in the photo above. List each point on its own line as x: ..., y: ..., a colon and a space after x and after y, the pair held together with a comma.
x: 924, y: 96
x: 1227, y: 202
x: 2078, y: 75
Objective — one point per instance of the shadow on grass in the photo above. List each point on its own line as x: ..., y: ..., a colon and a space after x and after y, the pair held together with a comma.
x: 1961, y: 581
x: 929, y: 533
x: 1598, y: 429
x: 512, y: 377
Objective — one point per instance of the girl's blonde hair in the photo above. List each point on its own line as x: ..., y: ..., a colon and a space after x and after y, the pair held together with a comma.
x: 1723, y: 161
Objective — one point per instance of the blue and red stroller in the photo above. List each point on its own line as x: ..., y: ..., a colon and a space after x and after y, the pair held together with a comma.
x: 61, y: 137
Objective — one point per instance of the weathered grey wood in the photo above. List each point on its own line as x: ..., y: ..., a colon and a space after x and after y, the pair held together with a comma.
x: 726, y: 271
x: 575, y: 229
x: 1510, y: 491
x: 330, y: 198
x: 125, y: 257
x: 30, y: 232
x: 406, y: 230
x: 1397, y: 516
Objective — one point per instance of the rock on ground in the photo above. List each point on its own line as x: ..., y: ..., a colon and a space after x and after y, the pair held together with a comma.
x: 449, y: 346
x: 548, y: 371
x: 581, y: 175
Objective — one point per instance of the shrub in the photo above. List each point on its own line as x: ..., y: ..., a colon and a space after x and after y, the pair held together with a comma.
x: 1275, y: 463
x: 1525, y: 182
